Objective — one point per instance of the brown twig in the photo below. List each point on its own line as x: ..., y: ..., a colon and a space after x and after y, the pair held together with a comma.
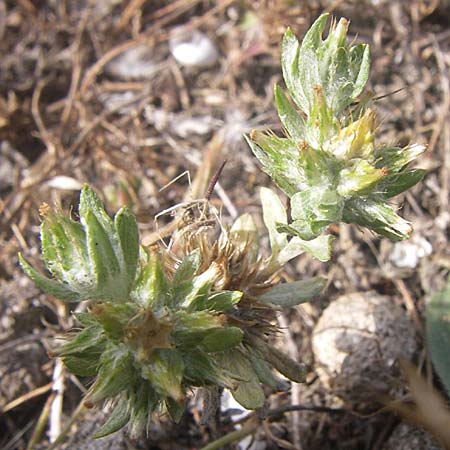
x: 45, y: 135
x: 76, y: 71
x: 214, y: 180
x: 272, y: 413
x: 128, y: 13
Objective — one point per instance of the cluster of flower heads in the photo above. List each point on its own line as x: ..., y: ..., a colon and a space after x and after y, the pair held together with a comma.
x: 160, y: 323
x: 200, y: 312
x: 328, y: 163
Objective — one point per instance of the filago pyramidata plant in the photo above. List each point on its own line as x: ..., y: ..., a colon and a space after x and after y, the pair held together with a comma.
x: 159, y: 321
x: 201, y: 311
x: 328, y: 163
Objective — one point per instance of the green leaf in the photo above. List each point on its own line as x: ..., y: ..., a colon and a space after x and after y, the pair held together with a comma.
x: 249, y: 392
x: 222, y: 339
x: 377, y: 216
x: 182, y: 282
x: 292, y: 294
x: 265, y: 160
x: 89, y: 201
x: 114, y: 317
x: 291, y: 250
x: 128, y: 234
x: 313, y: 38
x: 117, y: 420
x: 165, y: 372
x: 302, y: 229
x: 309, y: 78
x: 187, y: 269
x: 292, y: 121
x: 49, y: 286
x: 279, y: 157
x: 86, y: 319
x: 396, y: 158
x: 152, y: 287
x: 319, y: 247
x: 63, y: 246
x: 115, y: 374
x: 88, y: 341
x: 82, y: 365
x: 49, y: 250
x: 361, y: 62
x: 291, y: 369
x: 438, y: 333
x: 273, y: 212
x: 316, y: 167
x: 313, y: 210
x: 290, y: 50
x: 105, y: 264
x: 187, y: 322
x: 262, y: 369
x: 201, y: 286
x: 143, y: 401
x: 223, y: 301
x: 201, y: 368
x: 198, y: 297
x: 395, y: 184
x: 330, y: 51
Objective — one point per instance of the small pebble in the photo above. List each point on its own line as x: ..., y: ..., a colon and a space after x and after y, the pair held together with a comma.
x: 192, y: 48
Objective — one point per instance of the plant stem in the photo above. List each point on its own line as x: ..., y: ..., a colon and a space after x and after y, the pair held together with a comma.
x: 234, y: 436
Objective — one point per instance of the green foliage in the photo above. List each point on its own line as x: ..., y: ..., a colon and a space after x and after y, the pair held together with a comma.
x: 328, y: 163
x: 158, y: 325
x: 95, y: 258
x: 438, y: 333
x: 291, y: 294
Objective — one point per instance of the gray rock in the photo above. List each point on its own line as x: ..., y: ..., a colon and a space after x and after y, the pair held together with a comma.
x: 357, y: 342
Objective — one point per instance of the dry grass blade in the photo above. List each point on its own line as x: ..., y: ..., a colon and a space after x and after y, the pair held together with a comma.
x: 26, y: 397
x: 41, y: 423
x: 132, y: 8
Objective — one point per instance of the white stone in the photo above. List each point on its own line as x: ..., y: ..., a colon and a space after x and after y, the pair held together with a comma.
x: 192, y: 48
x: 406, y: 254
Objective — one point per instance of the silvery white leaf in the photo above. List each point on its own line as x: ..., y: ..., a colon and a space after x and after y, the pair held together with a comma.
x: 273, y: 212
x: 319, y: 247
